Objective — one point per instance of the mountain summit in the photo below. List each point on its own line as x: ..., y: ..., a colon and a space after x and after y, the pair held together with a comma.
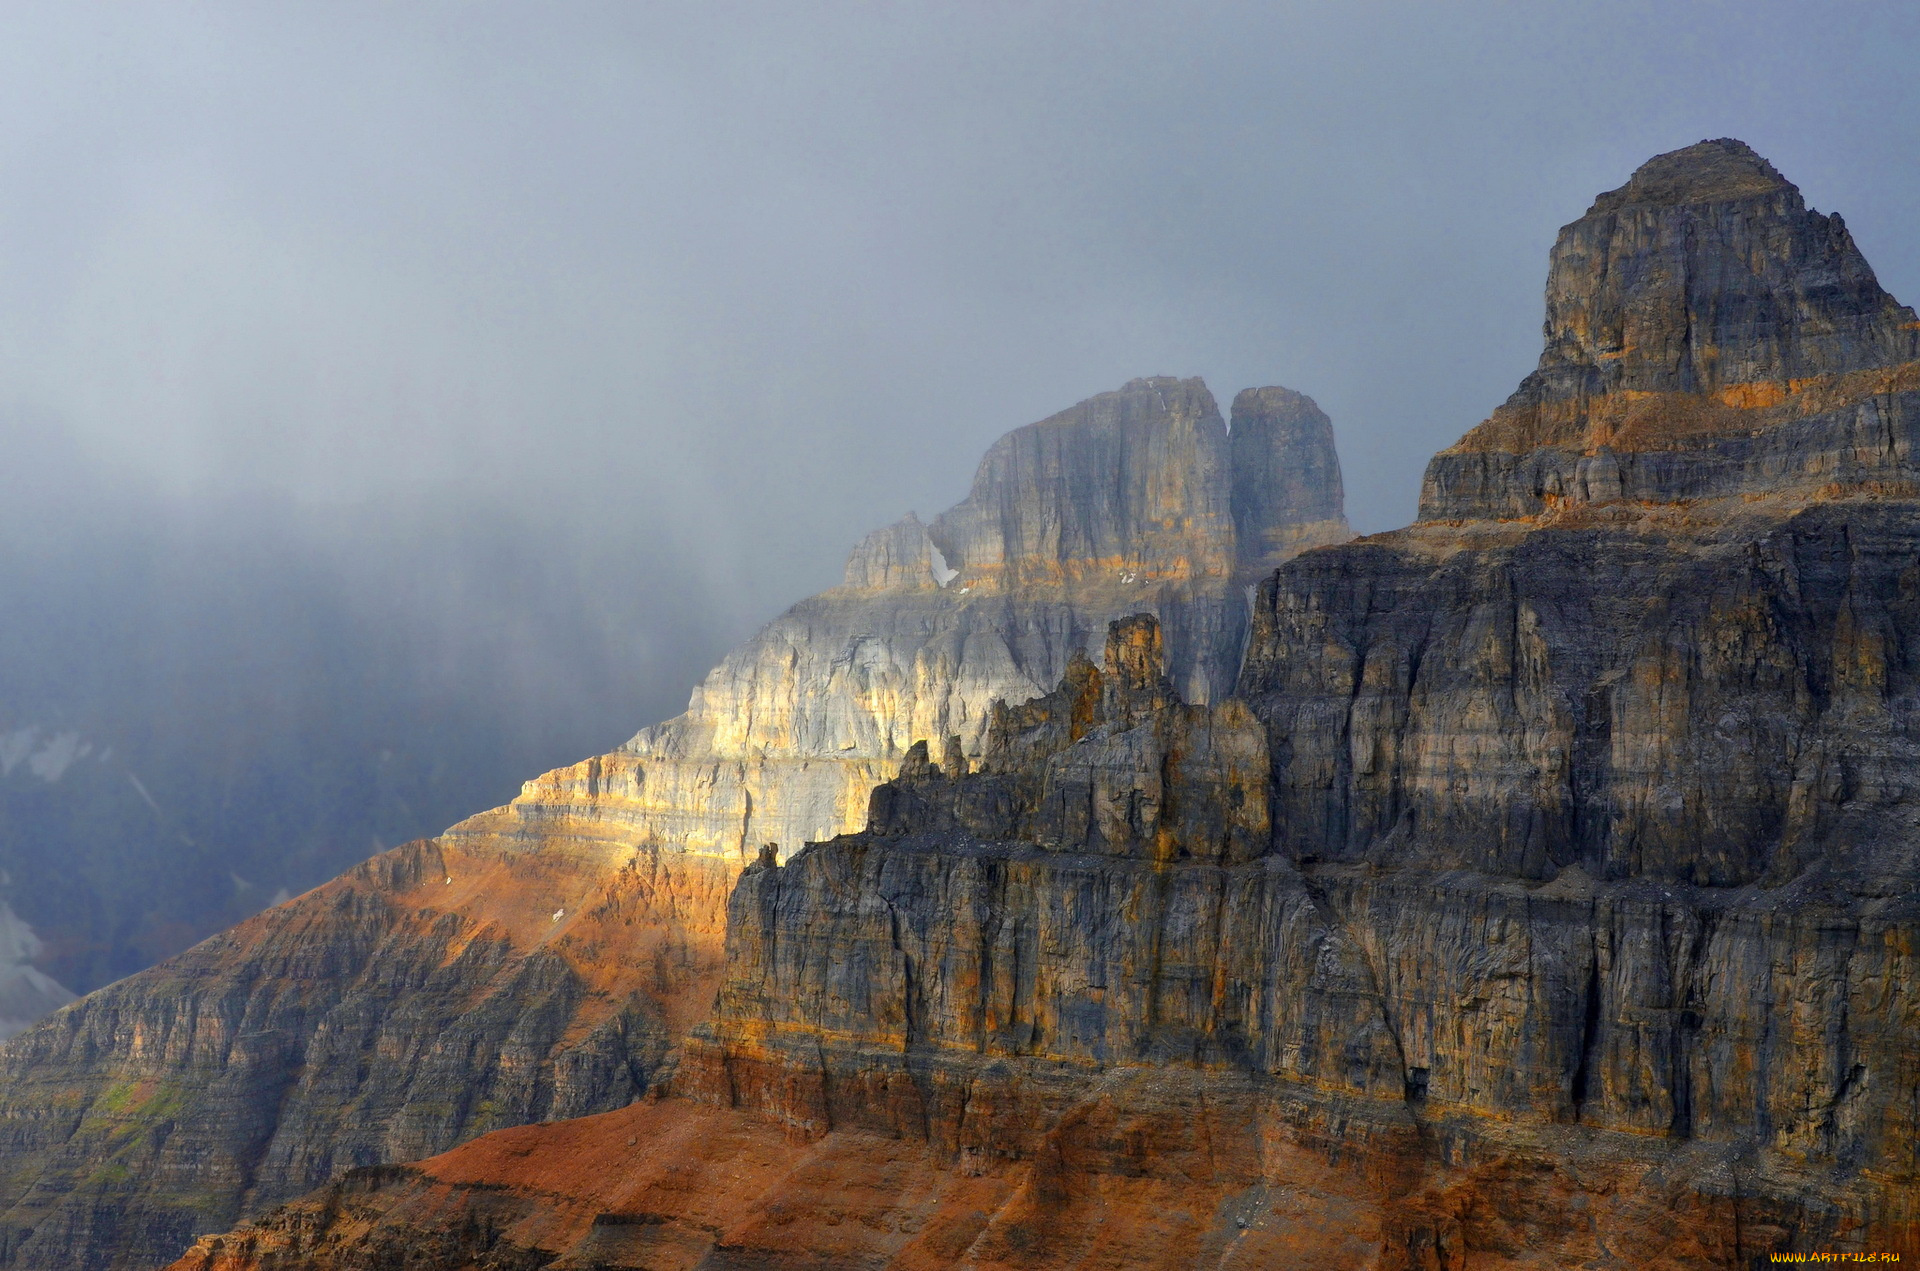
x: 1718, y: 171
x: 1707, y: 334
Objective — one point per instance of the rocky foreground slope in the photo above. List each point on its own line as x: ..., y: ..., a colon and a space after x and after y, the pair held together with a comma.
x: 540, y: 961
x: 1546, y: 895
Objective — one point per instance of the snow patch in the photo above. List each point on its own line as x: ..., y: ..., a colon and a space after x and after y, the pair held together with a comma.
x: 941, y: 573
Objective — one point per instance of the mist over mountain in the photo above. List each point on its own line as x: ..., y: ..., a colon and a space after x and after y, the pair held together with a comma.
x: 205, y: 709
x: 398, y: 404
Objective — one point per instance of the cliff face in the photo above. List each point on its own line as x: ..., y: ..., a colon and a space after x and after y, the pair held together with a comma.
x: 999, y: 949
x: 1589, y: 850
x: 430, y: 995
x: 541, y: 960
x: 1707, y: 335
x: 1133, y: 501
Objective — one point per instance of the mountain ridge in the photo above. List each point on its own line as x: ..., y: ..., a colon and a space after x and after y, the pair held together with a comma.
x: 542, y: 959
x: 1544, y: 893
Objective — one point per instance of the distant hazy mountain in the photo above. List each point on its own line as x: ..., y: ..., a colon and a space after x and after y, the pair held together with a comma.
x: 203, y: 713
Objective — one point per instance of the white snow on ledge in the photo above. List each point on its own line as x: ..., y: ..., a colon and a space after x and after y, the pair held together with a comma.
x: 941, y: 574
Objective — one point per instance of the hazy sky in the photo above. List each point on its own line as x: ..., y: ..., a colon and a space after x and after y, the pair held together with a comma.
x: 742, y: 281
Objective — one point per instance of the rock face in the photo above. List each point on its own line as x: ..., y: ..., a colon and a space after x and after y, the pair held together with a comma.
x: 1707, y: 335
x: 1099, y: 907
x: 671, y: 1186
x: 393, y: 1013
x: 430, y: 995
x: 1133, y: 501
x: 1590, y: 849
x: 1287, y: 494
x: 1547, y: 893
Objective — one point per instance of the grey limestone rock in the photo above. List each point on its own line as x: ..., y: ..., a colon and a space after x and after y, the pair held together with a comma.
x: 1133, y: 501
x: 1588, y: 829
x: 1707, y: 334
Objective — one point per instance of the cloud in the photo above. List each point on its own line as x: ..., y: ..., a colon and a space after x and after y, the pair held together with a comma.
x: 780, y: 272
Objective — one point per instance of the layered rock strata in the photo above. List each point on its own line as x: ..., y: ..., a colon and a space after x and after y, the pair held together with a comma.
x: 1707, y: 335
x: 540, y: 960
x: 1098, y: 909
x: 673, y: 1185
x: 1591, y: 850
x: 1133, y: 501
x: 432, y: 994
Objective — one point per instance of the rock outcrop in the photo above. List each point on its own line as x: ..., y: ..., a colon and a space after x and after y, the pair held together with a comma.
x: 1707, y: 335
x: 541, y: 960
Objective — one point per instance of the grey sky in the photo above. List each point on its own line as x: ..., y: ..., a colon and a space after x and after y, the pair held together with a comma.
x: 742, y: 281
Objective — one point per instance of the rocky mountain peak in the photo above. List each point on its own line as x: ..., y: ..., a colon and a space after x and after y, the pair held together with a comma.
x: 1145, y: 483
x: 1707, y: 335
x: 1128, y: 482
x: 1705, y: 270
x: 1287, y: 493
x: 1718, y: 171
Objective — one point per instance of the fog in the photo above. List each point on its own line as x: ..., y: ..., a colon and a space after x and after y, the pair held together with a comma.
x: 781, y: 271
x: 535, y: 354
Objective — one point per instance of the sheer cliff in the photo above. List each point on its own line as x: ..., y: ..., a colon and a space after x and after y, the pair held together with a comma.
x: 541, y: 960
x: 1546, y: 894
x: 1590, y: 846
x: 1134, y: 501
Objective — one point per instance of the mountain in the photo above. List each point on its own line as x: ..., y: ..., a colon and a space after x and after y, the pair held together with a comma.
x: 1707, y: 335
x: 204, y: 712
x: 1545, y: 894
x: 543, y: 960
x: 1133, y: 501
